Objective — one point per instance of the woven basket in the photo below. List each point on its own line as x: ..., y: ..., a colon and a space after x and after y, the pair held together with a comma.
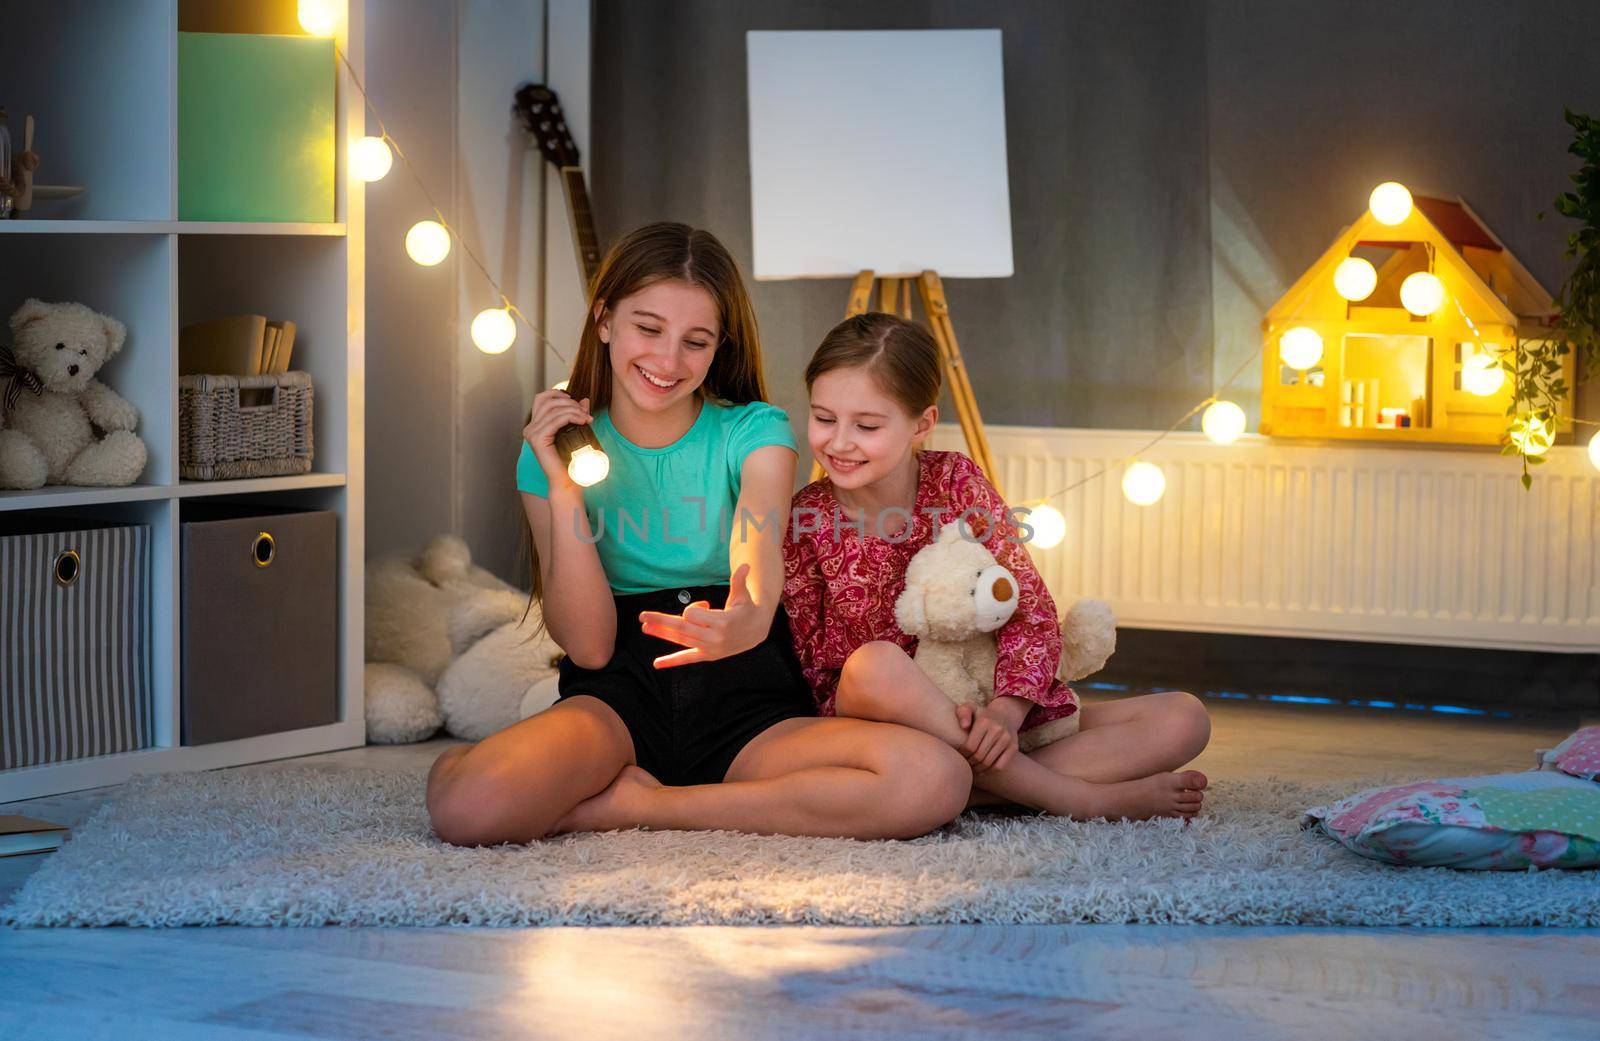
x: 219, y: 439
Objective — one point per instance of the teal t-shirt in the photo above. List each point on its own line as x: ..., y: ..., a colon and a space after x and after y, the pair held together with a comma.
x: 662, y: 516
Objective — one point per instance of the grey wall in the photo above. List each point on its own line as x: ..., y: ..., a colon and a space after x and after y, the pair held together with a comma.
x: 411, y: 310
x: 444, y: 421
x: 1174, y: 166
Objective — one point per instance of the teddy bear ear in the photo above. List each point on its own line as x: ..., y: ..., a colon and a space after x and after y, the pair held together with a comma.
x: 950, y: 532
x: 32, y: 310
x: 116, y: 334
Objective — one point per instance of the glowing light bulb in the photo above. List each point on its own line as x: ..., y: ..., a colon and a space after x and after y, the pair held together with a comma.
x: 1355, y: 278
x: 494, y: 330
x: 589, y: 466
x: 1422, y: 293
x: 1482, y: 375
x: 1144, y: 484
x: 319, y: 17
x: 370, y: 158
x: 1532, y: 435
x: 1223, y: 422
x: 1049, y: 526
x: 1390, y: 202
x: 428, y: 242
x: 560, y: 386
x: 1594, y: 451
x: 1300, y: 347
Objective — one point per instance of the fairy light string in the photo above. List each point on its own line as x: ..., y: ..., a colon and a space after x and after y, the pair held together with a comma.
x: 511, y: 308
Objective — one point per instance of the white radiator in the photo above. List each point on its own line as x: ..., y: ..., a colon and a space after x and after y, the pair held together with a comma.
x: 1400, y: 545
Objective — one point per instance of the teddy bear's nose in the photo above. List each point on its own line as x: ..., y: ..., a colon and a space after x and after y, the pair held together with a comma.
x: 72, y: 370
x: 1002, y: 590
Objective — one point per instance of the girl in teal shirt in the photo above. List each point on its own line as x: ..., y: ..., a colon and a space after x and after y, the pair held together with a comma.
x: 681, y: 702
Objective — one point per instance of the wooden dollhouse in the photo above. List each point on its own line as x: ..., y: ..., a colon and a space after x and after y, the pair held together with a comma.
x: 1397, y: 332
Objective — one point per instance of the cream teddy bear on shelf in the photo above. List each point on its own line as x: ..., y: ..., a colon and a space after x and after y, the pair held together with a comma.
x: 53, y: 406
x: 957, y: 595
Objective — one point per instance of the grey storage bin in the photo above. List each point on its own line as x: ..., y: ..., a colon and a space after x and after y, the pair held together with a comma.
x: 260, y: 621
x: 244, y: 426
x: 75, y: 676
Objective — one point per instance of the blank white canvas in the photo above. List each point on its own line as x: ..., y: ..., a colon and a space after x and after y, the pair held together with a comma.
x: 878, y: 150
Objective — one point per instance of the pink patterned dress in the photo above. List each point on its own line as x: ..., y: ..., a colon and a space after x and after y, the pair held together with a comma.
x: 841, y: 584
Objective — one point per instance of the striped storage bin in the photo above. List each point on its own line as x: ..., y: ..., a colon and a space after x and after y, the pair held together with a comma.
x: 74, y: 640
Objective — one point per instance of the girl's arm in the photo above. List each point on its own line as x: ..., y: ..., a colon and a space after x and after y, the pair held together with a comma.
x: 755, y: 556
x: 578, y: 610
x: 803, y: 589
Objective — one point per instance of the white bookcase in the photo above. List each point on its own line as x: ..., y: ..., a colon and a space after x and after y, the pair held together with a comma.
x: 100, y: 77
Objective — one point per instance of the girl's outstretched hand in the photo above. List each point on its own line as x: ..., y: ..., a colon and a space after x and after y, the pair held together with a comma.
x: 708, y: 633
x: 991, y: 740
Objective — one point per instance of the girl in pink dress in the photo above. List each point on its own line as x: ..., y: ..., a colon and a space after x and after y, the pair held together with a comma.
x: 874, y: 383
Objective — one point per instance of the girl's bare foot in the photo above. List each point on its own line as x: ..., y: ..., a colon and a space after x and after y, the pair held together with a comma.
x: 1177, y: 794
x: 620, y: 806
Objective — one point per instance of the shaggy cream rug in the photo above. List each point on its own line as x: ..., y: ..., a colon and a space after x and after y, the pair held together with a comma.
x: 335, y: 846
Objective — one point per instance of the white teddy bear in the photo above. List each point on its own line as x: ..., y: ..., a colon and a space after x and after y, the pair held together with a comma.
x: 446, y: 645
x: 52, y: 403
x: 956, y: 596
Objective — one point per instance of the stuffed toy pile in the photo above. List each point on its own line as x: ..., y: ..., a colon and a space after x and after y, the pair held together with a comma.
x: 957, y: 595
x: 447, y: 645
x: 60, y: 424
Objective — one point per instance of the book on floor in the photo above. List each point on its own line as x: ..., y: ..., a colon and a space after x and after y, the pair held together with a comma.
x: 19, y: 834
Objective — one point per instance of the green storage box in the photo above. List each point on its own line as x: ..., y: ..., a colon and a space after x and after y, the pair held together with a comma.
x: 255, y: 127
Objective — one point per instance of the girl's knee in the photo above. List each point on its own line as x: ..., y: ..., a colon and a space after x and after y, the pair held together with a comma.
x: 865, y: 682
x: 1189, y: 722
x: 928, y: 784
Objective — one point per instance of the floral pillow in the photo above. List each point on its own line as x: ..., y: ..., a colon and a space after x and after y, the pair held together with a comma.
x: 1503, y: 822
x: 1578, y: 755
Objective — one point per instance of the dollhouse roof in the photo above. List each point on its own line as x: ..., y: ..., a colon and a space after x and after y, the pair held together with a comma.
x: 1502, y: 286
x: 1459, y: 225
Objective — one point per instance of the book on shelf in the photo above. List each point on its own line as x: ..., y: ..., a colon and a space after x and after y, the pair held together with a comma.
x: 238, y: 345
x: 19, y: 834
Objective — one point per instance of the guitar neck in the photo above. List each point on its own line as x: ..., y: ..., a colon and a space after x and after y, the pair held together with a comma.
x: 583, y: 235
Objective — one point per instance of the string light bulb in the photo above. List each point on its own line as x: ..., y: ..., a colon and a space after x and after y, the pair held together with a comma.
x: 1223, y: 422
x: 1482, y: 375
x: 560, y: 385
x: 1594, y: 451
x: 587, y: 463
x: 370, y: 159
x: 1049, y: 526
x: 1300, y: 347
x: 494, y: 330
x: 428, y: 242
x: 1144, y: 484
x: 1422, y: 293
x: 1533, y: 436
x: 1390, y: 203
x: 1355, y: 278
x: 319, y: 17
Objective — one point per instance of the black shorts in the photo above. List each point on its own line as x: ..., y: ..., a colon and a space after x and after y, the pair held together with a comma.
x: 690, y: 721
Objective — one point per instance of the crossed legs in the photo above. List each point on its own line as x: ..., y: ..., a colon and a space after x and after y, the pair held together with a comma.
x: 1119, y: 764
x: 570, y: 768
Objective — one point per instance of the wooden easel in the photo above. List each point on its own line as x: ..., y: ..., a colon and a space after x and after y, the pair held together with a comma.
x: 894, y: 297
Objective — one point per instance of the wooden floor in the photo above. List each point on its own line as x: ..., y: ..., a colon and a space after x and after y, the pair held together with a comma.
x: 792, y: 982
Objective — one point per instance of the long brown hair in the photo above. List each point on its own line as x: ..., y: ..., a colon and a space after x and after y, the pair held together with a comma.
x: 901, y: 355
x: 666, y: 252
x: 670, y: 252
